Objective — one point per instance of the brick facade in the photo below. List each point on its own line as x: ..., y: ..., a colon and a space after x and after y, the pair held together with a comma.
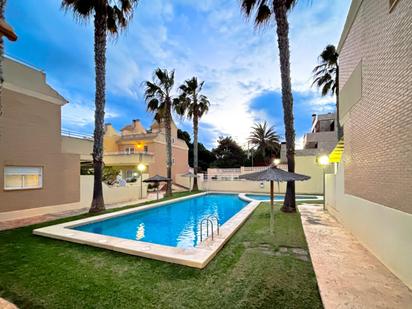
x: 378, y: 128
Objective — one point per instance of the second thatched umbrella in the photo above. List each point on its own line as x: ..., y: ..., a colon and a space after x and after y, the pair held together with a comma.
x: 272, y: 174
x: 157, y: 179
x: 190, y: 175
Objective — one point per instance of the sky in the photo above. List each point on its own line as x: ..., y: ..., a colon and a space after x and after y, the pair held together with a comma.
x: 210, y: 39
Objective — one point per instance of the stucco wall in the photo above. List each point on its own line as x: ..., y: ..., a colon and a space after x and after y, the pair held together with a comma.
x: 305, y: 165
x: 386, y: 232
x: 378, y: 127
x: 30, y: 136
x: 112, y: 195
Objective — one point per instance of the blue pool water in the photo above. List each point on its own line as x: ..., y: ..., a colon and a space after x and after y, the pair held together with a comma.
x: 278, y: 197
x: 175, y: 224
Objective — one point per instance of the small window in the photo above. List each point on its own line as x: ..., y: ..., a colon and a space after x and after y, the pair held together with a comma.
x: 145, y: 148
x: 173, y: 161
x: 20, y: 178
x: 173, y: 140
x: 129, y: 150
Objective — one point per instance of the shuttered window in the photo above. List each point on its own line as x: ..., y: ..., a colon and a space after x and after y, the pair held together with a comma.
x: 19, y: 177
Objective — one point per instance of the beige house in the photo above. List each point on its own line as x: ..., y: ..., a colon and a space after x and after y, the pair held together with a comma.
x: 36, y: 172
x: 135, y: 145
x: 323, y: 134
x: 371, y: 189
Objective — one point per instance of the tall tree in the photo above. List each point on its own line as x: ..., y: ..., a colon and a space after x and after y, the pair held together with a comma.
x: 194, y: 105
x: 266, y: 140
x: 159, y: 99
x: 2, y: 9
x: 326, y: 78
x: 263, y: 11
x: 8, y: 32
x: 110, y: 16
x: 228, y: 153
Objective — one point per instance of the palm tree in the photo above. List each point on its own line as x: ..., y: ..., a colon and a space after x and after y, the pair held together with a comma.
x: 326, y: 77
x: 159, y: 100
x: 110, y: 16
x: 265, y: 139
x: 263, y: 11
x: 194, y: 105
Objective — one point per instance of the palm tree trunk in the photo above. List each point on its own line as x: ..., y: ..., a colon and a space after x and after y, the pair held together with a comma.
x: 338, y: 127
x: 168, y: 129
x: 2, y: 8
x: 195, y: 151
x: 100, y: 26
x: 289, y: 205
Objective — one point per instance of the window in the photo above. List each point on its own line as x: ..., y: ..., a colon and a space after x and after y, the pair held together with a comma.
x: 173, y: 140
x: 145, y: 148
x: 19, y: 177
x: 173, y: 161
x: 129, y: 150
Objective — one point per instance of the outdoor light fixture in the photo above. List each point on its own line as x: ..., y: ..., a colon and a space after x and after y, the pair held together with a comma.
x: 324, y: 162
x: 276, y: 162
x: 141, y: 168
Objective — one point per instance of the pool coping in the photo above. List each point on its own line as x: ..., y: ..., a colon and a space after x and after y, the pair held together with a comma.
x: 197, y: 257
x: 244, y: 197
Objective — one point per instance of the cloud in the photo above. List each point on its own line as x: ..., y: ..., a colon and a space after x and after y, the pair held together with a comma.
x: 210, y: 39
x: 81, y: 115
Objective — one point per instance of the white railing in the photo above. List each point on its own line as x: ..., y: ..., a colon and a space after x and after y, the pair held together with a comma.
x: 76, y: 134
x: 128, y: 153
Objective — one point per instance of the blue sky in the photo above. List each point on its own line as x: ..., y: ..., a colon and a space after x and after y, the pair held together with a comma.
x: 209, y: 39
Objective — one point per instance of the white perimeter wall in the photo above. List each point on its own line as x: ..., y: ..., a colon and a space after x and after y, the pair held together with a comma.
x: 305, y: 165
x: 111, y: 195
x: 384, y: 231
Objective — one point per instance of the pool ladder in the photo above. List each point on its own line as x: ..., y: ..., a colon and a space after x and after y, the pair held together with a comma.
x: 209, y: 221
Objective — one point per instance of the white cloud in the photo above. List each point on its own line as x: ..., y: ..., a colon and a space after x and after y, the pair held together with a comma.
x: 81, y: 114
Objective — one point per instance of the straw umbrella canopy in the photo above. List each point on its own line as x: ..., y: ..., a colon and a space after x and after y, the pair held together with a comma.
x: 7, y: 30
x: 157, y: 179
x: 190, y: 175
x: 272, y: 174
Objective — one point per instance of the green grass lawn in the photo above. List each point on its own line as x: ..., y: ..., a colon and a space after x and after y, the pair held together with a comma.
x: 249, y: 272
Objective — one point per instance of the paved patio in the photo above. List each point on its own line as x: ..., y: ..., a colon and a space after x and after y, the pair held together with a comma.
x: 29, y: 217
x: 348, y: 275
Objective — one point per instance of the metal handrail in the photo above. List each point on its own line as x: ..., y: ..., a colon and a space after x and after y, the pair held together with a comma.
x: 217, y: 221
x: 207, y: 220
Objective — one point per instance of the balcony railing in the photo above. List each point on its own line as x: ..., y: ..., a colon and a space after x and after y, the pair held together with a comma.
x: 127, y: 158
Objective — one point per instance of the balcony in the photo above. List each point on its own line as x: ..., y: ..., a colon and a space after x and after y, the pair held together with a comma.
x: 311, y: 140
x: 127, y: 158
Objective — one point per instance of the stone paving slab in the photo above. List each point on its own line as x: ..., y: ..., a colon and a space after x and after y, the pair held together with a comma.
x: 348, y: 275
x: 4, y: 304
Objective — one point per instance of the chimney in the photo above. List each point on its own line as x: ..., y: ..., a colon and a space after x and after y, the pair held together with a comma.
x: 135, y: 122
x: 313, y: 118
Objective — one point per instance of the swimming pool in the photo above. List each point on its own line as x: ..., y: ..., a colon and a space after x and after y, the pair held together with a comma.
x: 175, y: 225
x: 166, y: 231
x: 278, y: 198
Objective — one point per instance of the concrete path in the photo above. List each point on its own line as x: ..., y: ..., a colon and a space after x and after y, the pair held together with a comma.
x: 4, y: 304
x: 39, y: 215
x: 348, y: 275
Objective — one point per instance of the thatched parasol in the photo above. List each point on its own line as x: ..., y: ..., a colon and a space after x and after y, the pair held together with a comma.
x: 157, y: 179
x: 7, y: 30
x: 272, y: 174
x: 190, y: 175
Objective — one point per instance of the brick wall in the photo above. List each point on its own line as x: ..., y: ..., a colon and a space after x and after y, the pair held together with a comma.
x: 378, y: 131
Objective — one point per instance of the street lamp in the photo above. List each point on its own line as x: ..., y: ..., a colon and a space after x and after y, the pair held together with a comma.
x: 276, y: 161
x: 324, y: 162
x: 141, y: 168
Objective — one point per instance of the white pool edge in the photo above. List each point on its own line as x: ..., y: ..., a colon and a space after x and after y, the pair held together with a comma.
x: 197, y: 257
x: 244, y: 197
